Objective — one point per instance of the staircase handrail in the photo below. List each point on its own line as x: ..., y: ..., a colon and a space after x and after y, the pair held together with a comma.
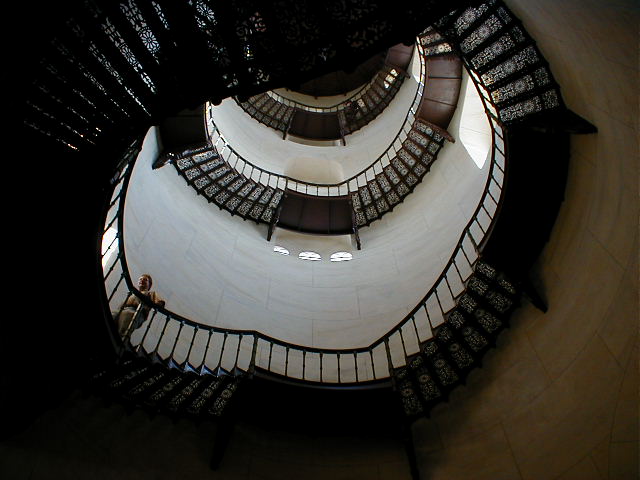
x: 344, y: 187
x: 498, y: 155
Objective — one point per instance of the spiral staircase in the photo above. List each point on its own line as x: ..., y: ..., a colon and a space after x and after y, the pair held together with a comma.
x: 107, y: 74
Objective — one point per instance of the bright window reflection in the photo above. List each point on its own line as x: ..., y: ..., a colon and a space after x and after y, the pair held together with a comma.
x: 280, y: 250
x: 309, y: 256
x: 341, y: 257
x: 109, y: 244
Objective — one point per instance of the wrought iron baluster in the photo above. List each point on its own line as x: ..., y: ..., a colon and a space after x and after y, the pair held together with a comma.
x: 175, y: 342
x: 155, y: 350
x: 389, y: 360
x: 286, y: 363
x: 206, y: 350
x: 141, y: 344
x: 252, y: 364
x: 224, y: 342
x: 355, y: 364
x: 115, y: 262
x: 193, y: 340
x: 404, y: 348
x: 235, y: 363
x: 373, y: 365
x: 304, y: 363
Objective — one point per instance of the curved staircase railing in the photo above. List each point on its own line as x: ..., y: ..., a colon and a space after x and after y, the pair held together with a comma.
x: 187, y: 345
x: 219, y: 173
x: 509, y: 97
x: 351, y: 114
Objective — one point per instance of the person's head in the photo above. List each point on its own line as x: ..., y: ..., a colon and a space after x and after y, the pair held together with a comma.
x: 144, y: 282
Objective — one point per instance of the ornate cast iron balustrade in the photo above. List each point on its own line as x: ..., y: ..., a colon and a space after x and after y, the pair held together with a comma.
x: 235, y: 184
x: 516, y: 86
x: 241, y: 351
x: 346, y: 117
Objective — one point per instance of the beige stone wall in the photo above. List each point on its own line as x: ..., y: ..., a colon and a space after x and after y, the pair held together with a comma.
x: 559, y: 398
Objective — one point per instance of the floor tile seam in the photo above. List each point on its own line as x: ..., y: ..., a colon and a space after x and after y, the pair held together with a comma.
x: 513, y: 456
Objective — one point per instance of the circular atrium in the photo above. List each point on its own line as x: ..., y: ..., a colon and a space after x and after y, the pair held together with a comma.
x: 218, y: 270
x: 355, y: 240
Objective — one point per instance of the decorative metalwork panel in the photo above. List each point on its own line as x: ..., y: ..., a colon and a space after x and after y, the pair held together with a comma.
x: 244, y: 208
x: 371, y: 212
x: 227, y: 179
x: 391, y: 175
x: 487, y: 320
x: 203, y: 397
x: 246, y: 189
x: 411, y: 179
x: 418, y: 138
x: 204, y: 156
x: 486, y: 270
x: 445, y: 372
x: 133, y: 14
x: 375, y: 189
x: 192, y: 173
x: 211, y: 165
x: 355, y: 201
x: 456, y: 319
x: 400, y: 167
x: 235, y: 186
x: 365, y: 195
x: 211, y: 190
x: 517, y: 62
x: 126, y: 52
x: 410, y: 401
x: 467, y: 303
x: 477, y: 286
x: 513, y: 89
x: 255, y: 194
x: 474, y: 339
x: 275, y: 200
x: 266, y: 195
x: 469, y: 16
x: 413, y: 148
x: 220, y: 172
x: 382, y: 205
x: 460, y: 356
x: 222, y: 197
x: 202, y: 182
x: 223, y: 400
x: 393, y: 198
x: 118, y: 382
x: 498, y: 301
x: 256, y: 211
x: 178, y: 399
x: 497, y: 48
x: 383, y: 182
x: 407, y: 157
x: 164, y: 390
x: 232, y: 203
x: 267, y: 214
x: 184, y: 163
x: 489, y: 27
x: 424, y: 128
x: 148, y: 383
